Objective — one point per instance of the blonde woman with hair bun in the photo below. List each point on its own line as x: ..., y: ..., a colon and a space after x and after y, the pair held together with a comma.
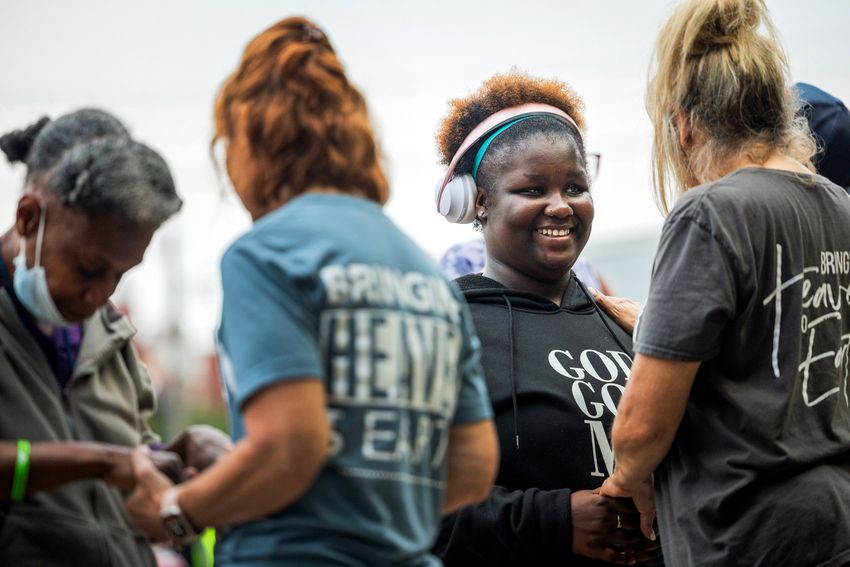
x: 736, y: 419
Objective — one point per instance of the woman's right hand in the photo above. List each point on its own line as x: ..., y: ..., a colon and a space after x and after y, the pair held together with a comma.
x: 623, y: 311
x: 606, y: 528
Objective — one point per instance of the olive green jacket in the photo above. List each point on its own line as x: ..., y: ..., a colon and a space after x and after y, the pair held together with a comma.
x: 108, y: 398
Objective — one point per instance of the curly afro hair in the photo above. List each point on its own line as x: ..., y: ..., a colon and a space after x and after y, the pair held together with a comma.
x: 499, y: 92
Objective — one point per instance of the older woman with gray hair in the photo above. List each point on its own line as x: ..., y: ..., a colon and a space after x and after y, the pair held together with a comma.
x: 74, y: 397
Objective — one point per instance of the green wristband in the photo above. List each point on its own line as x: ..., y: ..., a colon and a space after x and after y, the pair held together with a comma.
x: 22, y: 471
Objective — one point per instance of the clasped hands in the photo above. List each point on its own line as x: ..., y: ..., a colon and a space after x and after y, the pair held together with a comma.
x: 148, y: 473
x: 609, y: 528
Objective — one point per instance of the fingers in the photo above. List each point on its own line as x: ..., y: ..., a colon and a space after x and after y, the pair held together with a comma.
x: 618, y: 558
x: 636, y: 551
x: 646, y: 521
x: 623, y: 537
x: 628, y: 523
x: 623, y: 311
x: 622, y: 505
x: 204, y: 445
x: 144, y: 470
x: 143, y: 502
x: 141, y: 462
x: 649, y: 553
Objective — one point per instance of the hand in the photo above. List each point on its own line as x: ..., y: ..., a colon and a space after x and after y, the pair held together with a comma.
x: 120, y: 468
x: 623, y: 311
x: 648, y: 552
x: 170, y: 464
x: 643, y: 496
x: 604, y: 528
x: 200, y: 446
x: 144, y: 502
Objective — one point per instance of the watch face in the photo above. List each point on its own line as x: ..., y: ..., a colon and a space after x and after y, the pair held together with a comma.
x: 175, y: 528
x: 179, y: 529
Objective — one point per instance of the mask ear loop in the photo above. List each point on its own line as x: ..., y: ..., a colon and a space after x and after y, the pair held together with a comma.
x: 39, y: 237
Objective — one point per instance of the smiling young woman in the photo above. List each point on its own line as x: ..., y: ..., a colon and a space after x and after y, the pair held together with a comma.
x: 537, y: 215
x: 555, y: 366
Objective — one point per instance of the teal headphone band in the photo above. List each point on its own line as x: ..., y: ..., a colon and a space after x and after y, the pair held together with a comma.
x: 455, y: 194
x: 483, y: 149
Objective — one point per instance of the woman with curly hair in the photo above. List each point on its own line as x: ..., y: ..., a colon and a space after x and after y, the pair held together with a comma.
x: 350, y: 364
x: 738, y: 399
x: 555, y: 365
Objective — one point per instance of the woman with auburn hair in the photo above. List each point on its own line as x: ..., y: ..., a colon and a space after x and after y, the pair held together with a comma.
x: 555, y: 365
x: 737, y: 399
x: 350, y: 365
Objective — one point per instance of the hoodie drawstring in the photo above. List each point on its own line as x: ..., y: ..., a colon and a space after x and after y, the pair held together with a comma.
x: 511, y: 347
x: 513, y: 378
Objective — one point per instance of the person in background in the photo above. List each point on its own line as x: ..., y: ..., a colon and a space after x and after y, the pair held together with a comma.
x: 74, y: 398
x: 737, y: 400
x: 350, y: 364
x: 829, y: 121
x: 555, y: 365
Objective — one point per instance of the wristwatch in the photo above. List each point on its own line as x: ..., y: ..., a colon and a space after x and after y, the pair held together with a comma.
x: 180, y: 530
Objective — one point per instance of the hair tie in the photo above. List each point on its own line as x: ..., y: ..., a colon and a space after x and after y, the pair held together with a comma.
x: 310, y: 34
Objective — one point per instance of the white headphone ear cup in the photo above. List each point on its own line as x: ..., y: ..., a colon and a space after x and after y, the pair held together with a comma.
x: 457, y: 202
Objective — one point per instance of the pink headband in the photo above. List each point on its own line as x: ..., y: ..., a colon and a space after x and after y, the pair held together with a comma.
x: 494, y: 121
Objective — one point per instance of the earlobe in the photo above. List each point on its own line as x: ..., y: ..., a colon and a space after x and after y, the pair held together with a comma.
x: 479, y: 203
x: 27, y: 215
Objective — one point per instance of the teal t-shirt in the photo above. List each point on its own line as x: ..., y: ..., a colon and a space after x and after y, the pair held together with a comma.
x: 328, y: 287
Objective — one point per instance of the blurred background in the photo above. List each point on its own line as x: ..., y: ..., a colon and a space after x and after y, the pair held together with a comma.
x: 158, y: 65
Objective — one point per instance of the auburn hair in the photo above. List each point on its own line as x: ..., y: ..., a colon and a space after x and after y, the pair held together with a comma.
x: 296, y: 119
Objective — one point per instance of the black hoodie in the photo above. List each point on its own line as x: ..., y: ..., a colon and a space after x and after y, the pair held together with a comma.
x: 555, y: 374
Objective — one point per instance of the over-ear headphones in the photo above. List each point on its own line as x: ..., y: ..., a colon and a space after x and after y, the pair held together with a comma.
x: 455, y: 195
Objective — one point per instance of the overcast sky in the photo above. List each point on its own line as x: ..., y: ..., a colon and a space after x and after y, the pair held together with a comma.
x: 157, y: 65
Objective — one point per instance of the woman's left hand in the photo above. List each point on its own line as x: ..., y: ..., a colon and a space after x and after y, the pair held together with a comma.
x: 648, y: 552
x: 144, y: 502
x: 623, y: 311
x: 200, y: 446
x: 642, y: 494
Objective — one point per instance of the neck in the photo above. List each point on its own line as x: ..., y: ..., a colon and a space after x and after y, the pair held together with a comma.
x: 552, y: 290
x: 282, y: 198
x: 776, y: 160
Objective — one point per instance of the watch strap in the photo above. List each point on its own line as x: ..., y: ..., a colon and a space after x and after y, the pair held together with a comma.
x: 178, y: 527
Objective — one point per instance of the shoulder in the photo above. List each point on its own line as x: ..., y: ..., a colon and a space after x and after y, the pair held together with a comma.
x: 471, y: 282
x: 730, y: 203
x: 269, y: 240
x: 743, y: 192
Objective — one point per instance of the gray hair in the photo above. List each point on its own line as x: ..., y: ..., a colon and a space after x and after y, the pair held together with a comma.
x: 91, y: 164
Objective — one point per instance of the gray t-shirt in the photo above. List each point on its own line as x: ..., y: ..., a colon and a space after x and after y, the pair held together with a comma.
x: 752, y: 278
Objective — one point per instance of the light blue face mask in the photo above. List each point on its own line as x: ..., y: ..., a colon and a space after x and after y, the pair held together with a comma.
x: 31, y: 283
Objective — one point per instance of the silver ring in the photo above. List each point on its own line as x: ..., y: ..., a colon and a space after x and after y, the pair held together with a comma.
x: 619, y: 522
